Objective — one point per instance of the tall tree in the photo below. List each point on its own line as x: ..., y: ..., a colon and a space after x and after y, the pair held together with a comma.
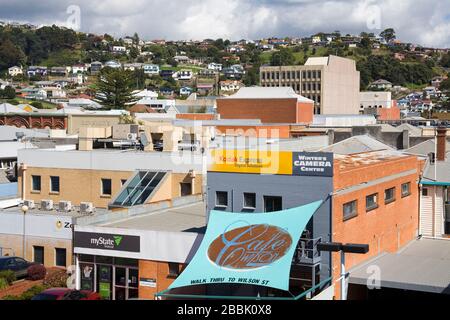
x: 115, y: 87
x: 283, y: 57
x: 388, y: 35
x: 10, y: 55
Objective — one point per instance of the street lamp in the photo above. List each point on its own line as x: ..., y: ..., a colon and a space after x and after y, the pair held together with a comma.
x: 343, y: 249
x: 24, y: 211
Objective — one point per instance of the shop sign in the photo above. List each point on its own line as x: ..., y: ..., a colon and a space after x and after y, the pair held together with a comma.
x: 147, y: 282
x: 103, y: 241
x: 254, y: 249
x: 312, y: 164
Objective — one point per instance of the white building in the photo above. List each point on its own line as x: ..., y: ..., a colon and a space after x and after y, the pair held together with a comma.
x: 375, y: 99
x: 151, y: 69
x: 215, y: 66
x: 184, y: 75
x: 15, y: 71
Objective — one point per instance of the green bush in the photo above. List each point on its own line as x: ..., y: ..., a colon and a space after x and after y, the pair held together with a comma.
x: 8, y: 275
x: 57, y: 279
x: 3, y: 284
x: 27, y: 295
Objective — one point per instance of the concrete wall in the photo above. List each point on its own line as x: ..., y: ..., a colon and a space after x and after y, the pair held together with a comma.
x: 75, y: 122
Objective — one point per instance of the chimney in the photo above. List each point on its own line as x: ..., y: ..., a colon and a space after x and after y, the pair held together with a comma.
x: 405, y: 139
x: 441, y: 143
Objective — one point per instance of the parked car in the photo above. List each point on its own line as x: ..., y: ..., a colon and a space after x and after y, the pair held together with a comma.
x: 66, y: 294
x: 16, y: 264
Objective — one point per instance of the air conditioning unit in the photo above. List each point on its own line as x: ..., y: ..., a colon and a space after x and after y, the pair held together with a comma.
x: 65, y: 206
x: 86, y: 207
x: 29, y: 203
x: 47, y: 205
x: 132, y: 136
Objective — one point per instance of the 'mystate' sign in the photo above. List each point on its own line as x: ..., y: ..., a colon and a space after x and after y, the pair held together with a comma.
x: 312, y: 164
x: 103, y: 241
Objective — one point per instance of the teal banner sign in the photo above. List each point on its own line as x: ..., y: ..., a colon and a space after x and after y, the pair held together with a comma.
x: 255, y: 249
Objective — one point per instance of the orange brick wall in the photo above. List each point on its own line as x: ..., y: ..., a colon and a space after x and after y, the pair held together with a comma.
x: 389, y: 114
x: 305, y: 113
x: 282, y: 131
x: 385, y: 229
x: 267, y: 110
x: 154, y: 270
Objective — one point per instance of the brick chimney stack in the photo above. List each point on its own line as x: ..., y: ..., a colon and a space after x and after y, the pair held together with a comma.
x: 441, y: 143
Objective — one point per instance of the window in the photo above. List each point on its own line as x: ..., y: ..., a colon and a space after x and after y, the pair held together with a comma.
x: 314, y: 74
x: 304, y: 74
x: 350, y: 210
x: 106, y: 187
x: 174, y: 270
x: 249, y: 200
x: 38, y: 254
x: 221, y: 199
x: 54, y: 184
x: 309, y: 74
x: 372, y: 202
x: 319, y: 74
x: 60, y: 257
x: 36, y: 183
x: 123, y: 181
x: 425, y: 192
x: 389, y: 195
x: 272, y: 204
x: 186, y: 189
x: 406, y: 189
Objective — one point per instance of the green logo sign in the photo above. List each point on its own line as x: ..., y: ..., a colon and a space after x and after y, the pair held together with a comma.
x: 118, y: 240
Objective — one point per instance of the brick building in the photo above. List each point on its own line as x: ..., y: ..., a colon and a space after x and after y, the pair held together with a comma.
x: 270, y: 105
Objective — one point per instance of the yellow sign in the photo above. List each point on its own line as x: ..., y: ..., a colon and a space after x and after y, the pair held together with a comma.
x: 251, y: 161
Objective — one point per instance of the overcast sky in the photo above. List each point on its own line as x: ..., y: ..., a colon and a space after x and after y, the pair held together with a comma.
x: 425, y: 22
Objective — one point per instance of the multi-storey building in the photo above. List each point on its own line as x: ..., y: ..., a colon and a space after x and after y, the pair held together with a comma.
x: 332, y: 82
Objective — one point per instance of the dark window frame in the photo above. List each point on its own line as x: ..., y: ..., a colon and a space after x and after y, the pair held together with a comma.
x: 353, y: 214
x: 266, y: 198
x: 387, y: 201
x: 244, y: 206
x: 406, y: 194
x: 33, y: 189
x: 103, y: 193
x: 374, y: 206
x: 52, y: 184
x: 56, y: 257
x: 219, y: 205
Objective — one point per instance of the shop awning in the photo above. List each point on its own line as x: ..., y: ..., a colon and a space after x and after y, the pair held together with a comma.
x: 253, y: 249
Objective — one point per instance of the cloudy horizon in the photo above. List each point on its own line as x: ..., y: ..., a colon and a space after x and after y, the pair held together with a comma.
x: 424, y: 22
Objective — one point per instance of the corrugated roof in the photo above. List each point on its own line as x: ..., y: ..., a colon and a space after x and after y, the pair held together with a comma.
x: 268, y: 93
x: 9, y: 108
x: 425, y: 148
x: 357, y: 144
x: 423, y: 265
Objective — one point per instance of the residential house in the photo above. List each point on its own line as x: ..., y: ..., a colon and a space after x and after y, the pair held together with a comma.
x: 166, y: 74
x: 58, y: 71
x: 15, y: 71
x: 215, y: 66
x: 119, y: 49
x: 230, y: 86
x: 113, y: 64
x: 184, y: 75
x: 151, y: 69
x: 96, y: 67
x: 381, y: 84
x: 186, y: 91
x: 37, y: 71
x: 79, y: 68
x: 182, y: 59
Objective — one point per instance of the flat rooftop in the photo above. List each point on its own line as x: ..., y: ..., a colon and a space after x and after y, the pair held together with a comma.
x: 354, y: 161
x: 423, y: 265
x: 188, y: 218
x: 75, y: 213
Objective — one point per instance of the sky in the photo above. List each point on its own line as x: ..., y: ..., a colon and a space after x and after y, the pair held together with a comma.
x: 424, y: 22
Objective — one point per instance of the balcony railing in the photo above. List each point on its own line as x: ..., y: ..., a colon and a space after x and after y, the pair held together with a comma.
x: 306, y: 252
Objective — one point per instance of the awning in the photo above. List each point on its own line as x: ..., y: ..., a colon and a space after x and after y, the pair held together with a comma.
x: 253, y: 249
x: 424, y: 265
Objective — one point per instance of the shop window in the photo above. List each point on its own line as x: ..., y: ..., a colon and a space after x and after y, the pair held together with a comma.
x: 174, y: 270
x: 221, y: 199
x: 54, y: 184
x: 272, y: 204
x: 389, y: 195
x: 372, y: 202
x: 38, y: 254
x: 406, y: 189
x: 186, y: 189
x: 350, y: 210
x: 36, y: 183
x: 106, y: 187
x: 249, y: 201
x: 60, y: 257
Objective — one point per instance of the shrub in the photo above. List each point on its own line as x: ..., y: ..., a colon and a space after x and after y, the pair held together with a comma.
x: 57, y: 279
x: 8, y: 275
x: 3, y: 283
x: 30, y: 293
x: 36, y: 272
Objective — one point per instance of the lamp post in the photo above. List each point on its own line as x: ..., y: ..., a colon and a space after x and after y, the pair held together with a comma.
x: 24, y: 211
x: 343, y: 249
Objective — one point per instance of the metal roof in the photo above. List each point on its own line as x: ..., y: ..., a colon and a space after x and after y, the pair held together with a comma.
x: 424, y: 148
x: 268, y: 93
x: 423, y: 265
x: 437, y: 172
x: 188, y: 218
x: 357, y: 144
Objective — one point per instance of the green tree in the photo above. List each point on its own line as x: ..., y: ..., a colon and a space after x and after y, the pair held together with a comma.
x: 9, y: 93
x: 115, y: 87
x: 388, y: 35
x: 283, y: 57
x: 10, y: 55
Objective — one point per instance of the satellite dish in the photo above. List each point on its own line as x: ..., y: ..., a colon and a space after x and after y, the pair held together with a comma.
x: 144, y: 140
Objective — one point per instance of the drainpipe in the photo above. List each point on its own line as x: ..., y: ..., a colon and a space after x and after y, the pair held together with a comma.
x: 23, y: 169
